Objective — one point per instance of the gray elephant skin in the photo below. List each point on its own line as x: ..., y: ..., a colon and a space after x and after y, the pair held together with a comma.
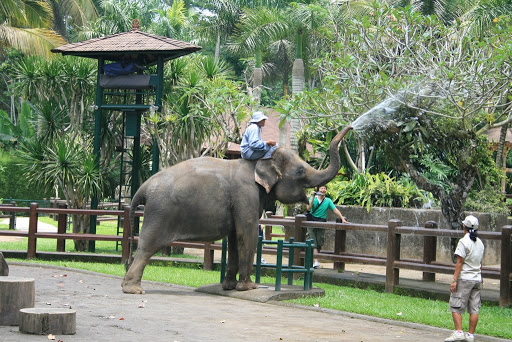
x: 207, y: 199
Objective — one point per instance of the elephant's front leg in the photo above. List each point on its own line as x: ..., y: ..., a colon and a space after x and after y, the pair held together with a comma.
x: 230, y: 281
x: 247, y: 239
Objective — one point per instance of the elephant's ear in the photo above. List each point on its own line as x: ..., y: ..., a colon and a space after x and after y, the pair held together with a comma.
x: 266, y: 173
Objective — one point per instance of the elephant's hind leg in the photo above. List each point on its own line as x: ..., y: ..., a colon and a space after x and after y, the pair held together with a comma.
x: 146, y: 249
x: 230, y: 281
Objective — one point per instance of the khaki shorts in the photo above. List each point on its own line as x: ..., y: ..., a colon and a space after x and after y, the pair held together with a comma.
x: 466, y: 296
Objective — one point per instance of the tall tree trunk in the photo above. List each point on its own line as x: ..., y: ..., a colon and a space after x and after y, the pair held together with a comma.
x: 298, y: 82
x: 217, y: 48
x: 452, y: 203
x: 297, y: 87
x: 81, y: 225
x: 256, y: 85
x: 257, y: 79
x: 500, y: 155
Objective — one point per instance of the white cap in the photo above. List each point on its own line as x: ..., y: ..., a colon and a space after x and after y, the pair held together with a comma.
x: 470, y: 222
x: 258, y: 116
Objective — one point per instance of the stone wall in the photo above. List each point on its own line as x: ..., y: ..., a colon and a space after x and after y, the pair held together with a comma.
x: 374, y: 243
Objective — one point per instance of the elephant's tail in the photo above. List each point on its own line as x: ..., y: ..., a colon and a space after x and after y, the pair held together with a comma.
x: 139, y: 198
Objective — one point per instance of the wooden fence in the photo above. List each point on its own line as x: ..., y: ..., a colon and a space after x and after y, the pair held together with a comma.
x: 392, y: 261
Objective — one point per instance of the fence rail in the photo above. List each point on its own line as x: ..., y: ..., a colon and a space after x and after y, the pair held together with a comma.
x: 392, y: 261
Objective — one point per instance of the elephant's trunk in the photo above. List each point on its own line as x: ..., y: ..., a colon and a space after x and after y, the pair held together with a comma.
x: 318, y: 178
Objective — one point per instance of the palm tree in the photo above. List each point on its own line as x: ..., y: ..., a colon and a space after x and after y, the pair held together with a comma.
x: 72, y: 14
x: 219, y: 21
x: 257, y: 29
x: 26, y: 25
x: 65, y: 164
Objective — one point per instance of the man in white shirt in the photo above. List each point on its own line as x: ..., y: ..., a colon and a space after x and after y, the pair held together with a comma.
x: 467, y: 281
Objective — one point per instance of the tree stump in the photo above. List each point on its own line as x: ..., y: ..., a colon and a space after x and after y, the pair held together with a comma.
x: 4, y: 268
x: 15, y: 293
x: 44, y: 321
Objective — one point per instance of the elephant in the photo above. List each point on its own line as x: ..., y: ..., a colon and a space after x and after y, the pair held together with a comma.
x: 207, y: 199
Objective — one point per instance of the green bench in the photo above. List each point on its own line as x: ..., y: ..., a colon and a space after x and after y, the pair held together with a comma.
x: 290, y: 269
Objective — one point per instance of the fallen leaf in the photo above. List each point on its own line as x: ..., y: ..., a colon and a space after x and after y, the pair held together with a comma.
x: 111, y: 317
x: 141, y: 305
x: 51, y: 337
x: 61, y: 285
x: 121, y: 319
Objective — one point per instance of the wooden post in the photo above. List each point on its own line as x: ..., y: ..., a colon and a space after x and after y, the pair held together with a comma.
x: 12, y: 219
x: 208, y: 257
x: 61, y: 229
x: 506, y: 267
x: 429, y: 250
x: 15, y: 293
x: 32, y: 230
x: 393, y: 253
x: 127, y: 234
x: 268, y: 229
x: 300, y: 236
x: 340, y: 241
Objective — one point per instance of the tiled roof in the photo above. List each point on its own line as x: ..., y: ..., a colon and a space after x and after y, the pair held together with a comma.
x: 135, y: 42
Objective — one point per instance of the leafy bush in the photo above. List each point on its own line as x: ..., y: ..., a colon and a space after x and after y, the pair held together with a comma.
x: 13, y: 183
x: 378, y: 190
x: 487, y: 200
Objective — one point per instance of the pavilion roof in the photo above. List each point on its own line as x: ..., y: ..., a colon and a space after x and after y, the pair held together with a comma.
x: 132, y: 44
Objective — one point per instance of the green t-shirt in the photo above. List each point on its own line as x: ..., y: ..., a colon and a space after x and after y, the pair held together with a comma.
x: 320, y: 209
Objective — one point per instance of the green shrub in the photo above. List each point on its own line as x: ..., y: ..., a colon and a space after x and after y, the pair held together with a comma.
x: 13, y: 184
x: 379, y: 190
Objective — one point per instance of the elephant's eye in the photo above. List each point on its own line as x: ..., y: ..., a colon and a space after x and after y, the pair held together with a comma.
x: 301, y: 172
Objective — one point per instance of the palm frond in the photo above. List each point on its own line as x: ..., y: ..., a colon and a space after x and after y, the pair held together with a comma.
x: 38, y: 14
x: 81, y: 11
x: 36, y: 41
x: 481, y: 14
x: 12, y: 11
x: 258, y: 27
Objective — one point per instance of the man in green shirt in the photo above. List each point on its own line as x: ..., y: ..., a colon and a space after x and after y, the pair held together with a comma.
x: 318, y: 206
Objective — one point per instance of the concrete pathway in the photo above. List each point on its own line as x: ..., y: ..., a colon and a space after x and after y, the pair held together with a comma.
x: 22, y: 225
x: 177, y: 313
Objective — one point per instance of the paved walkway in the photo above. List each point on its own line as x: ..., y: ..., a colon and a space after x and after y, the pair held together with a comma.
x: 177, y: 313
x: 22, y: 225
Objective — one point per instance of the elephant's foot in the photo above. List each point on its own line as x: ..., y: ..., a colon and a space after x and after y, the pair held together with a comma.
x: 132, y: 288
x: 246, y: 285
x: 229, y: 284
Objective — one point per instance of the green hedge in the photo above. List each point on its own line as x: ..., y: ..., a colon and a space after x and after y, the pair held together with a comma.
x: 13, y: 184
